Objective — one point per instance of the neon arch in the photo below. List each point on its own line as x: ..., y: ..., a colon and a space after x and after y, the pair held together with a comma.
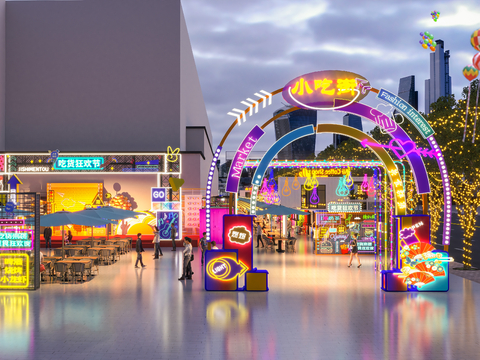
x: 411, y: 114
x: 296, y: 134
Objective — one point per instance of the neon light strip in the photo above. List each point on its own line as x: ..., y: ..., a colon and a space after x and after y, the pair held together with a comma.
x: 18, y: 248
x: 447, y: 198
x: 270, y: 154
x: 208, y: 195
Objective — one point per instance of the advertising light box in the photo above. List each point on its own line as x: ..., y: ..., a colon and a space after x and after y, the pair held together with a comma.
x: 238, y: 235
x: 222, y: 270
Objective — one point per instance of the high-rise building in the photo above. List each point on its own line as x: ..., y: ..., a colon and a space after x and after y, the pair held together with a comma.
x: 440, y: 82
x: 406, y: 90
x: 302, y: 148
x: 349, y: 120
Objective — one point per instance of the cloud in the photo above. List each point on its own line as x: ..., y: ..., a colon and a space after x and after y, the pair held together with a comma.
x: 242, y: 47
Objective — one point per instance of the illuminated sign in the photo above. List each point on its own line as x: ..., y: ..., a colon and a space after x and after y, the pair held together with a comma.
x: 159, y: 194
x: 330, y: 218
x: 18, y: 222
x: 237, y: 235
x: 33, y: 169
x: 235, y: 172
x: 225, y: 269
x: 78, y: 163
x: 413, y: 115
x: 406, y: 148
x: 193, y: 204
x: 344, y: 207
x: 322, y: 172
x: 165, y: 219
x: 14, y: 239
x: 222, y: 270
x: 320, y: 89
x: 14, y: 271
x: 411, y: 229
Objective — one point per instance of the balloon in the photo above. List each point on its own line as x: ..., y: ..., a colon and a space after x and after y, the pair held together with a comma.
x: 431, y: 36
x: 427, y: 33
x: 432, y: 48
x: 475, y: 39
x: 425, y: 41
x: 430, y: 41
x: 470, y: 72
x: 421, y: 42
x: 476, y: 61
x: 434, y: 43
x: 425, y: 46
x: 421, y: 34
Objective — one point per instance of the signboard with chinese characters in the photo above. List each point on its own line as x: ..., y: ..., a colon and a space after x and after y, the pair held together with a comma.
x: 238, y: 235
x: 13, y: 239
x: 14, y: 271
x: 78, y: 163
x: 193, y: 204
x: 344, y: 207
x: 319, y: 90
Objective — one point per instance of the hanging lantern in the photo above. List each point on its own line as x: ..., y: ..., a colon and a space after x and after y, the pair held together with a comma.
x: 314, y: 199
x: 296, y: 183
x: 342, y: 190
x: 286, y: 190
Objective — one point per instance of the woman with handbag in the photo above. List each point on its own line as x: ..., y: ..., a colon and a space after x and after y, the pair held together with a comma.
x: 353, y: 249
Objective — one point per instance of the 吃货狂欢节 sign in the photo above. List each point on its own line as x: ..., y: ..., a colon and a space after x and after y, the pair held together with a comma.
x: 78, y: 163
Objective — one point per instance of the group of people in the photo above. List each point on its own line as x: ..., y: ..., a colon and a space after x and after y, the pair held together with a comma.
x: 47, y: 234
x: 187, y: 251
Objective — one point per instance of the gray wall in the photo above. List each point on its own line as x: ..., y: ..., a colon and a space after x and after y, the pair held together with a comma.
x: 93, y: 75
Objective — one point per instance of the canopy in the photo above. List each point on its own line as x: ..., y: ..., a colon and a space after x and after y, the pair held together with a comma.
x: 280, y: 210
x: 61, y: 218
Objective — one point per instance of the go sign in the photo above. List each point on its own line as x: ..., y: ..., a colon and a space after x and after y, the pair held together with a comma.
x: 159, y: 194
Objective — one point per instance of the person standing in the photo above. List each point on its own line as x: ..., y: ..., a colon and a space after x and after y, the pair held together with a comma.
x: 187, y: 253
x: 156, y: 242
x: 353, y: 249
x: 259, y: 235
x: 203, y: 245
x: 70, y: 237
x: 47, y: 234
x: 139, y: 249
x: 173, y: 232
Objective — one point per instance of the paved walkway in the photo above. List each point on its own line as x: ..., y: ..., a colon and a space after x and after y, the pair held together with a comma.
x: 316, y: 308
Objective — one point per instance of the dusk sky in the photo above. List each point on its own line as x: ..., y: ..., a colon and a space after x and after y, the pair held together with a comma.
x: 241, y: 47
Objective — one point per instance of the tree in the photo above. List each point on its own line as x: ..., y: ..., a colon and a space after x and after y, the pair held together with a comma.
x: 462, y: 159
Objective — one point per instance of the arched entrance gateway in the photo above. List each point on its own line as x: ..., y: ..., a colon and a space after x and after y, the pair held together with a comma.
x: 416, y: 265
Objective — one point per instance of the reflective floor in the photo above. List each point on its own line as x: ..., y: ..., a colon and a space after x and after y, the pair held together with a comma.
x: 316, y: 308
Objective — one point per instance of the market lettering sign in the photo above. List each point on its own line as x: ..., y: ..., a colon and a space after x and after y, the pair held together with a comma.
x: 413, y: 115
x: 344, y: 207
x: 78, y: 163
x: 14, y: 271
x: 319, y: 90
x: 14, y: 239
x: 235, y: 172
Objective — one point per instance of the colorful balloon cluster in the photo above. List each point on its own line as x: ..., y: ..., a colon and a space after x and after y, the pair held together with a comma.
x: 471, y: 72
x: 435, y: 15
x: 427, y: 41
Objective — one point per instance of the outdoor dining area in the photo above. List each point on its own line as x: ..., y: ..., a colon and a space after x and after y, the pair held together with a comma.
x: 81, y: 261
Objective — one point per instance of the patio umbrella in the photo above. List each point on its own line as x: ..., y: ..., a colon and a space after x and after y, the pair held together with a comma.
x: 103, y: 213
x: 62, y: 218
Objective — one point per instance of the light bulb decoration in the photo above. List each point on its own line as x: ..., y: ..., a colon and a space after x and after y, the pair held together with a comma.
x: 286, y: 190
x: 341, y: 188
x: 364, y: 185
x: 271, y: 180
x: 314, y: 199
x: 348, y: 179
x: 309, y: 184
x: 295, y: 183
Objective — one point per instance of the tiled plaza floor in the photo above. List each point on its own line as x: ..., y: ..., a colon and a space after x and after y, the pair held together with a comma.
x: 316, y: 308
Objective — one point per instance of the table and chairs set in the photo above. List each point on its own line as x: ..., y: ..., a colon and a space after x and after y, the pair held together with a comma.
x: 81, y: 261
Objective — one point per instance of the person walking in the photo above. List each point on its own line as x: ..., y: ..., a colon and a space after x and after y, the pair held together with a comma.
x: 203, y: 245
x: 156, y: 242
x: 139, y: 249
x: 353, y: 249
x: 47, y: 234
x: 259, y: 235
x: 70, y: 237
x: 173, y: 232
x: 187, y: 253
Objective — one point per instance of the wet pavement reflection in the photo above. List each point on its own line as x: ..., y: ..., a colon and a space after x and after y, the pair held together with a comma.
x: 316, y: 308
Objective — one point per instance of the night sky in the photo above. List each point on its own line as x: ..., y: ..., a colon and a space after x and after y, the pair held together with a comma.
x: 241, y: 47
